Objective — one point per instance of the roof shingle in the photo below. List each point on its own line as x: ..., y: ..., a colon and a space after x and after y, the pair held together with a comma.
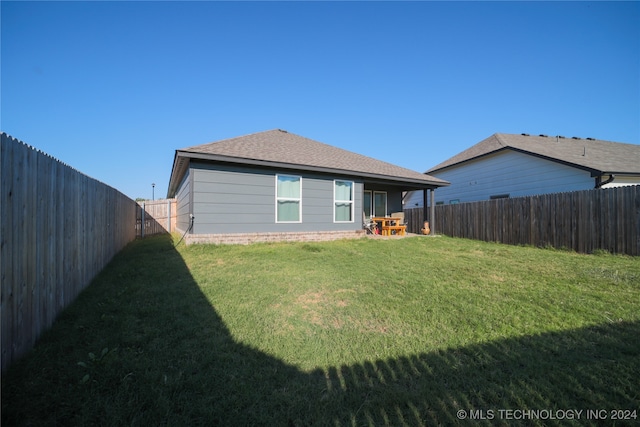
x: 284, y: 148
x: 597, y: 156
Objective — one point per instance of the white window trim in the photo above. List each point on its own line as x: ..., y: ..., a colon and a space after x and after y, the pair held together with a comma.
x: 352, y: 201
x: 299, y: 200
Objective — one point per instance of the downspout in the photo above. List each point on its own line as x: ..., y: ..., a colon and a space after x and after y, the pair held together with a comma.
x: 600, y: 183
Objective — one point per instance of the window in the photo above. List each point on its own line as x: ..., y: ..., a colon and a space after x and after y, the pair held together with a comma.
x: 374, y: 203
x: 343, y: 201
x: 454, y: 201
x: 379, y: 203
x: 499, y: 196
x: 288, y: 198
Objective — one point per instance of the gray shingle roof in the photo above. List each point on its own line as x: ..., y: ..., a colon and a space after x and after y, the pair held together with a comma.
x: 278, y: 148
x: 596, y: 156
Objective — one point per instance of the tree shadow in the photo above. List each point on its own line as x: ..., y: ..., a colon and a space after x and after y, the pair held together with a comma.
x: 171, y: 360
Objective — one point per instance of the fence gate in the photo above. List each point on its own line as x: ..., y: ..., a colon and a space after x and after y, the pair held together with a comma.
x: 155, y: 217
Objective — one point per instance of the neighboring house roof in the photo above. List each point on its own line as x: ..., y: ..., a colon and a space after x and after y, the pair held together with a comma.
x: 281, y: 149
x: 596, y: 156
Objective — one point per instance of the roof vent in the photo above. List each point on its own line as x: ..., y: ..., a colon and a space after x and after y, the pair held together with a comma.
x: 575, y: 137
x: 524, y: 134
x: 560, y: 136
x: 282, y: 130
x: 543, y: 135
x: 591, y: 139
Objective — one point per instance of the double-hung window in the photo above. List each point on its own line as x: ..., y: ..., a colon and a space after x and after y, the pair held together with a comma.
x: 288, y: 198
x: 343, y: 201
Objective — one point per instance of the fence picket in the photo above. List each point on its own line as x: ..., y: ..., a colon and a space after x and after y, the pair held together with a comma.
x: 583, y: 221
x: 58, y: 232
x: 159, y: 217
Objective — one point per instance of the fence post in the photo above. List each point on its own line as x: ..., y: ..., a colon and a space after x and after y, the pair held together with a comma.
x: 142, y: 221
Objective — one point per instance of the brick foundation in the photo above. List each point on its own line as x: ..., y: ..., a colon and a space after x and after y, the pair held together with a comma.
x: 248, y: 238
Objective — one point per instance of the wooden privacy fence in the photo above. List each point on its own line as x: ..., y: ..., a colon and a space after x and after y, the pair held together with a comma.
x: 414, y: 219
x: 155, y: 217
x: 59, y: 228
x: 584, y: 221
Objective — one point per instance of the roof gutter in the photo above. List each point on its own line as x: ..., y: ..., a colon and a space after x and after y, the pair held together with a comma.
x: 180, y: 164
x: 600, y: 183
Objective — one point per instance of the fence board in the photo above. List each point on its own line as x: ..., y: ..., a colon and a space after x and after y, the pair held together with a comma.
x: 59, y: 229
x: 6, y: 274
x: 584, y: 221
x: 159, y: 217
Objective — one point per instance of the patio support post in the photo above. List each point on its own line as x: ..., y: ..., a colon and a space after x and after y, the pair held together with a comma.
x: 425, y: 205
x: 433, y: 211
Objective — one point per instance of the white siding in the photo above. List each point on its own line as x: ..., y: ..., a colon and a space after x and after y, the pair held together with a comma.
x: 622, y: 181
x: 508, y: 172
x: 414, y: 199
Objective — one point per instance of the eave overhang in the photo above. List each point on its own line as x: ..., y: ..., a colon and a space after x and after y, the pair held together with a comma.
x: 594, y: 172
x: 183, y: 158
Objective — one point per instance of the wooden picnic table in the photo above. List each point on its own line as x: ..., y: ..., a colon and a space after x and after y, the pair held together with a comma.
x: 389, y: 224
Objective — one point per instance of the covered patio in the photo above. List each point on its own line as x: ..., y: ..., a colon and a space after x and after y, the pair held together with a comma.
x: 383, y: 201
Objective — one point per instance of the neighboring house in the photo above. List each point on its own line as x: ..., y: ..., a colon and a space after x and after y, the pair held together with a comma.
x: 506, y: 165
x: 279, y: 182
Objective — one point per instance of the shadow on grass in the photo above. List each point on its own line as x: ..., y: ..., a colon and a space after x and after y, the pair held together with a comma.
x: 161, y: 355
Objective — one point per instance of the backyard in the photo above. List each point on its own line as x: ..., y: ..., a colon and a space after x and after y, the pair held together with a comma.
x: 415, y: 331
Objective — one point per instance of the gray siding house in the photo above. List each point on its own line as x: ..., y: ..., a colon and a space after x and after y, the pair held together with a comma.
x: 276, y: 185
x: 508, y: 165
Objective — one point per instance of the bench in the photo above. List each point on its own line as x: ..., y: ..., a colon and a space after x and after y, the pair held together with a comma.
x: 399, y: 229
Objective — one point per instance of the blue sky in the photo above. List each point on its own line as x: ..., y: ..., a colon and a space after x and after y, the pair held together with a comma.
x: 114, y: 88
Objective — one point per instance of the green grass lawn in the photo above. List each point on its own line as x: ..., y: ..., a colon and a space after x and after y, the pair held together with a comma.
x: 360, y: 332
